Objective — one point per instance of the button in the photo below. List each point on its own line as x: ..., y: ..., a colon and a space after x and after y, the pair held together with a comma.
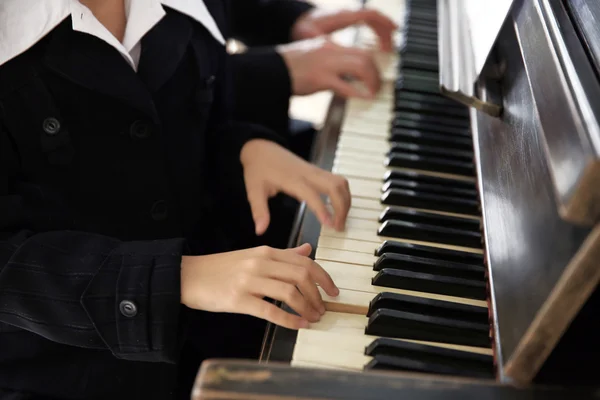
x: 159, y: 210
x: 128, y: 308
x: 51, y: 126
x: 140, y: 130
x: 210, y: 80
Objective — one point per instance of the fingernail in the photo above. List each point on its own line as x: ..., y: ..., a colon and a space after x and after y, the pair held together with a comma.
x: 322, y: 309
x: 336, y: 291
x: 304, y: 324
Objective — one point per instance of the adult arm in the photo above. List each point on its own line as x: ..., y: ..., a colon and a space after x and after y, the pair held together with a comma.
x: 266, y: 22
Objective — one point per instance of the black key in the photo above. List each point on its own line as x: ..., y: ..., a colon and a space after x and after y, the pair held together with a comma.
x: 430, y: 233
x: 437, y: 99
x: 430, y: 283
x: 422, y: 37
x: 429, y: 138
x: 449, y: 121
x: 416, y: 160
x: 422, y: 29
x: 412, y: 199
x: 430, y: 126
x: 434, y: 180
x: 429, y: 266
x: 393, y: 247
x: 415, y: 85
x: 427, y: 188
x: 402, y: 214
x: 430, y: 307
x: 420, y: 62
x: 450, y: 154
x: 425, y: 108
x: 404, y: 325
x: 390, y: 354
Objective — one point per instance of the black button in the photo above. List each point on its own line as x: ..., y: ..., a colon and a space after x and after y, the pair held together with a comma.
x: 210, y: 80
x: 159, y: 210
x: 51, y: 126
x: 140, y: 130
x: 128, y: 308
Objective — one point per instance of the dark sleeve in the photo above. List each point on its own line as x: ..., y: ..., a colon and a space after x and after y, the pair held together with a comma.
x: 262, y: 89
x: 265, y: 22
x: 228, y: 133
x: 69, y: 287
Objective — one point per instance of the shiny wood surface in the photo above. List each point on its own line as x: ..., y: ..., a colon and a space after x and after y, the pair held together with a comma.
x: 236, y: 380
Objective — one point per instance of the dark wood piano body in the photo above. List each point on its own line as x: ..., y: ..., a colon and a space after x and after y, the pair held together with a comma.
x: 537, y: 167
x: 234, y: 380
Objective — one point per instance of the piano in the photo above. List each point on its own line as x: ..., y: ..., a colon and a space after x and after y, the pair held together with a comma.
x: 472, y: 247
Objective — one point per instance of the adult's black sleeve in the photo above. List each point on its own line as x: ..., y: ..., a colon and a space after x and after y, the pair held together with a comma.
x: 265, y: 22
x: 262, y: 89
x: 78, y: 288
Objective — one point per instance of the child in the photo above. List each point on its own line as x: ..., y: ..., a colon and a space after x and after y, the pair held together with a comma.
x: 115, y: 139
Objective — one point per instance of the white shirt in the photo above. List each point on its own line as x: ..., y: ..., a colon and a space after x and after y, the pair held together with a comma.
x: 23, y: 23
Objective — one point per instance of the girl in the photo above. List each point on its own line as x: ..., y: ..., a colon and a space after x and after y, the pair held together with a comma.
x: 115, y: 147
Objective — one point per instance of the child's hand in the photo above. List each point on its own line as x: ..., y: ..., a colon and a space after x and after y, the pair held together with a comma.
x: 237, y: 282
x: 270, y: 169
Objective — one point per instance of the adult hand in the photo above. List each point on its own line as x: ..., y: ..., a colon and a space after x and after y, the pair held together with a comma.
x: 270, y: 169
x: 237, y: 282
x: 319, y: 64
x: 319, y: 22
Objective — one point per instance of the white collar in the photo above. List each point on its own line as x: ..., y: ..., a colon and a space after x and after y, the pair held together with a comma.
x: 23, y: 23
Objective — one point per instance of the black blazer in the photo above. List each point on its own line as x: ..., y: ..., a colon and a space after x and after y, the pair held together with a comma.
x: 262, y: 81
x: 106, y: 178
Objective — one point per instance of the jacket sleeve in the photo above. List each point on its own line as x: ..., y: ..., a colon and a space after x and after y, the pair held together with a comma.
x: 83, y: 289
x: 262, y: 89
x: 229, y: 133
x: 265, y: 22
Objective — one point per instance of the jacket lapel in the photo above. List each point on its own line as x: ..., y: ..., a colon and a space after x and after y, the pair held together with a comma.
x: 163, y: 49
x: 91, y: 63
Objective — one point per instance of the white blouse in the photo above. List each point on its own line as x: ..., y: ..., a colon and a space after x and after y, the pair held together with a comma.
x: 25, y: 22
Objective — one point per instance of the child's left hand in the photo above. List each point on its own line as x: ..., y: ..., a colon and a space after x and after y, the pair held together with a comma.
x: 270, y: 169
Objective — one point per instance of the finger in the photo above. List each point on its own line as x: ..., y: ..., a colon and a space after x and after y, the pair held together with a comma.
x: 294, y: 269
x: 360, y: 65
x: 383, y: 26
x: 302, y: 191
x: 317, y: 273
x: 306, y: 30
x: 346, y: 89
x: 338, y: 190
x: 258, y: 198
x: 259, y: 308
x: 303, y: 250
x: 288, y: 293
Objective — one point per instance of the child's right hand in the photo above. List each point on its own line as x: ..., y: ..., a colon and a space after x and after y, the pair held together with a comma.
x: 237, y: 282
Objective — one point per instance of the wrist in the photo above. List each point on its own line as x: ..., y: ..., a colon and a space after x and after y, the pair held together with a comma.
x: 250, y: 150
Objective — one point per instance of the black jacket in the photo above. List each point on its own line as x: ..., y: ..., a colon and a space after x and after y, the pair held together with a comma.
x: 106, y: 179
x: 262, y: 82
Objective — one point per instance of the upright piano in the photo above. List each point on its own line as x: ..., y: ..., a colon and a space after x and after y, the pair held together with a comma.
x: 472, y: 247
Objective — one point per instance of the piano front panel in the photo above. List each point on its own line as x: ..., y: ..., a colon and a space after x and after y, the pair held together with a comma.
x: 530, y: 248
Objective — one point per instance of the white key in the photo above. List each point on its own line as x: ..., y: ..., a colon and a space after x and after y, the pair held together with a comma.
x: 343, y: 256
x: 355, y: 230
x: 331, y: 348
x: 357, y: 278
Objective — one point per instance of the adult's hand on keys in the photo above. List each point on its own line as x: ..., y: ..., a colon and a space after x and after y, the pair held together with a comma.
x: 318, y: 64
x: 319, y: 22
x: 237, y: 282
x: 270, y: 169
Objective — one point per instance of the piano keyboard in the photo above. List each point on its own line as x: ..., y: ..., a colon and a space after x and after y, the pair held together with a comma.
x: 410, y: 263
